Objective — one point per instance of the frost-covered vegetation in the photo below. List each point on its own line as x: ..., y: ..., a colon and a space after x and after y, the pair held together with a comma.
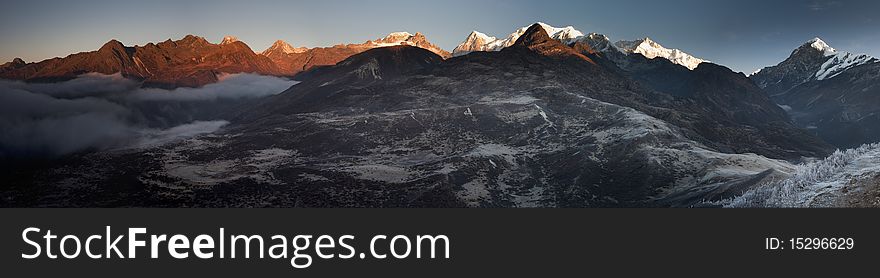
x: 812, y: 182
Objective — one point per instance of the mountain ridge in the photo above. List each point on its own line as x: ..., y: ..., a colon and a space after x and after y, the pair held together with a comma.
x: 568, y: 35
x: 189, y: 62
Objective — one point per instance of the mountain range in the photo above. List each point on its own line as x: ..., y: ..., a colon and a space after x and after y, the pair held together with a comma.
x: 477, y: 41
x: 546, y: 117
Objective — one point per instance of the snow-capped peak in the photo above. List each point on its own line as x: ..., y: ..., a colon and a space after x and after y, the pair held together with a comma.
x: 392, y: 39
x: 651, y: 49
x: 229, y: 39
x: 837, y: 61
x: 394, y: 35
x: 477, y: 35
x: 819, y: 44
x: 476, y: 41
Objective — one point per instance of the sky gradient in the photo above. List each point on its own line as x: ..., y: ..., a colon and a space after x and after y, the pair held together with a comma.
x: 744, y: 35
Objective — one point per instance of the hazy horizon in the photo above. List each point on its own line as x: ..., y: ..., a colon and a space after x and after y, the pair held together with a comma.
x: 743, y: 35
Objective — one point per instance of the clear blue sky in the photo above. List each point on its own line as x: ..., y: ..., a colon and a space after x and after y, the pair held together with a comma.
x: 741, y: 34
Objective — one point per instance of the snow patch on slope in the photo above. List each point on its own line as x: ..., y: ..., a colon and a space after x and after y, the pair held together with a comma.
x: 840, y: 62
x: 651, y: 49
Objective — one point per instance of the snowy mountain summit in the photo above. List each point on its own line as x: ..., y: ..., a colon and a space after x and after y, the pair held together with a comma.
x: 652, y: 49
x: 819, y: 44
x: 478, y: 41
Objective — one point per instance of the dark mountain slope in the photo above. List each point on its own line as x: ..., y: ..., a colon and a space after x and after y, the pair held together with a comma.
x: 726, y: 108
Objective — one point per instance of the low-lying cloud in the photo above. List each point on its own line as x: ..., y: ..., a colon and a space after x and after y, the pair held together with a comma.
x: 230, y: 87
x: 95, y: 111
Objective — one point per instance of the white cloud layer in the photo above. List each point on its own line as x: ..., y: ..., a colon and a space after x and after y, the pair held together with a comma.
x: 95, y: 111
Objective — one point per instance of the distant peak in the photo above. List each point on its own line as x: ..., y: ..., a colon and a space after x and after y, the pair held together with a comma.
x: 394, y: 38
x: 398, y: 36
x: 815, y: 40
x: 18, y: 61
x: 645, y: 42
x: 228, y: 40
x: 483, y: 37
x: 193, y: 39
x: 285, y: 48
x: 112, y: 44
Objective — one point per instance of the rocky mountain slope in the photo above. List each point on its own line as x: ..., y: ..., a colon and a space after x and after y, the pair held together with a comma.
x: 832, y: 93
x: 732, y: 109
x: 189, y: 62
